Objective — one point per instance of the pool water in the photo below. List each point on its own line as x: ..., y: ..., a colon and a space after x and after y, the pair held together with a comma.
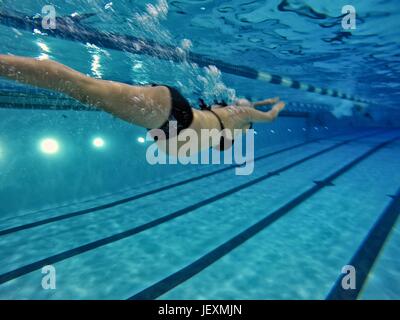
x: 324, y: 193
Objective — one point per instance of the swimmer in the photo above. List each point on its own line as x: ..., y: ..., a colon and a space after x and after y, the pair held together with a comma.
x: 150, y: 107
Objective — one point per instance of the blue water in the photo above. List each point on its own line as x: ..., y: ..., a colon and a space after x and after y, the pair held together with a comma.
x: 114, y: 226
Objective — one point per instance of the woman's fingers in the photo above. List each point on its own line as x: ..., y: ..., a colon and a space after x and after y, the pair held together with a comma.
x: 279, y: 106
x: 274, y: 112
x: 271, y: 100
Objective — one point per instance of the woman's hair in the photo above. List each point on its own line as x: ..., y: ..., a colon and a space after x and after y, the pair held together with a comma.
x: 205, y: 106
x: 242, y: 102
x: 221, y: 103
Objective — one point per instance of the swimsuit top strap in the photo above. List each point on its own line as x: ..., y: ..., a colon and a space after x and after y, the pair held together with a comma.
x: 222, y: 144
x: 219, y: 119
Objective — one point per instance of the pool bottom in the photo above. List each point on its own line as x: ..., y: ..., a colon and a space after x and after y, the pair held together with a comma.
x: 298, y: 256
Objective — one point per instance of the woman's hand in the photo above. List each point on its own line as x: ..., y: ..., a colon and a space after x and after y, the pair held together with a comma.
x: 266, y: 102
x: 255, y: 115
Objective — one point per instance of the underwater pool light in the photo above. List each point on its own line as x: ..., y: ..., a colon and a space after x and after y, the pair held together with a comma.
x: 49, y: 146
x: 98, y: 142
x: 141, y: 140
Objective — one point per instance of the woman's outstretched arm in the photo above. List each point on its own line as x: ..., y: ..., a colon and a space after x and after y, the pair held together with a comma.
x: 144, y: 106
x: 265, y: 102
x: 255, y: 115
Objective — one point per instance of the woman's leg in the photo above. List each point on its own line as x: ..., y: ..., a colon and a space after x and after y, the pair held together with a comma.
x: 148, y: 107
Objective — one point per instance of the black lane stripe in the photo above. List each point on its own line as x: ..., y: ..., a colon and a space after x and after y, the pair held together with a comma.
x: 140, y: 195
x: 366, y: 255
x: 125, y: 234
x: 175, y: 279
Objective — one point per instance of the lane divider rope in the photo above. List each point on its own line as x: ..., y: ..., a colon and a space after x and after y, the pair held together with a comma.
x: 72, y: 29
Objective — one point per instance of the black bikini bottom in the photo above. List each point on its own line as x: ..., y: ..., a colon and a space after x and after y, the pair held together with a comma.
x: 224, y: 143
x: 182, y: 113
